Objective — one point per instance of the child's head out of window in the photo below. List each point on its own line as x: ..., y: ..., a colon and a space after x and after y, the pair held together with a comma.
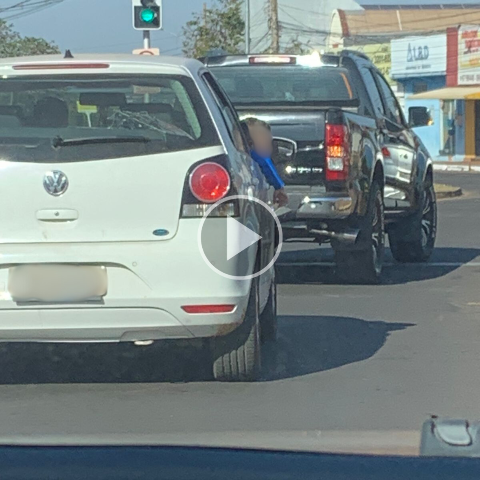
x: 261, y: 135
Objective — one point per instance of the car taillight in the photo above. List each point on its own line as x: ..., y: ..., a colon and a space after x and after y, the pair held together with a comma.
x: 60, y: 66
x: 199, y: 309
x: 337, y: 152
x: 209, y: 182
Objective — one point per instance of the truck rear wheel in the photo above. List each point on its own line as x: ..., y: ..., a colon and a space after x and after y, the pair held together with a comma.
x: 237, y: 356
x: 413, y: 239
x: 364, y: 265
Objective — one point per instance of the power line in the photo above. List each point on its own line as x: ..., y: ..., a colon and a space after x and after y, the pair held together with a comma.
x: 21, y: 8
x: 473, y: 16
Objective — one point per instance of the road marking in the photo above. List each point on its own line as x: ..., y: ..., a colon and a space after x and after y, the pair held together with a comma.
x: 433, y: 264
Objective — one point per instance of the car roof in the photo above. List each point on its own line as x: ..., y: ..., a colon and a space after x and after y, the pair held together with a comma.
x: 114, y: 60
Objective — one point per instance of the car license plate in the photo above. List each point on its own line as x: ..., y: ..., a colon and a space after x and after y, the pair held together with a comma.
x: 57, y: 283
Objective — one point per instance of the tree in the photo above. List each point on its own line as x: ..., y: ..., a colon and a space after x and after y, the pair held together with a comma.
x: 220, y: 26
x: 12, y: 44
x: 296, y: 47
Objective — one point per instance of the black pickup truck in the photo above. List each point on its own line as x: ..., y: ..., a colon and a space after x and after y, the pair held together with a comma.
x: 353, y: 168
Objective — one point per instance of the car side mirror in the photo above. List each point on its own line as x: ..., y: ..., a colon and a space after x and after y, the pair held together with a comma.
x: 419, y: 117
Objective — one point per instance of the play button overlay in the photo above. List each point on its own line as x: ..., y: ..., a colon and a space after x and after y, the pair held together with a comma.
x: 229, y: 241
x: 239, y: 237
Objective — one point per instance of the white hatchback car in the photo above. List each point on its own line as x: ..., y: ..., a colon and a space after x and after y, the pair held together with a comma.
x: 108, y: 166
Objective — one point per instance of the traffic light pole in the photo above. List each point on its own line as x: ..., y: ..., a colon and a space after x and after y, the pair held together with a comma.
x: 146, y: 39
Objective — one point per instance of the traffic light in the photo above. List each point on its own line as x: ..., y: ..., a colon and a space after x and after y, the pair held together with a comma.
x: 147, y: 14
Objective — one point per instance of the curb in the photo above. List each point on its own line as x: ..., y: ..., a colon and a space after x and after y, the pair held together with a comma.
x: 462, y: 167
x: 456, y: 192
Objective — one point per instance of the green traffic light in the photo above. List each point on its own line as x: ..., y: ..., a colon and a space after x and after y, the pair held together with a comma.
x: 147, y: 15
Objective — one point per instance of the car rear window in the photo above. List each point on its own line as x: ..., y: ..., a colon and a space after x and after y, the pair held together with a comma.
x: 268, y: 85
x: 165, y: 112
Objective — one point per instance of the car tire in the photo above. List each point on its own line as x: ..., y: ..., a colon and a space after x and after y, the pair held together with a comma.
x: 422, y: 224
x: 364, y: 264
x: 237, y: 356
x: 268, y: 318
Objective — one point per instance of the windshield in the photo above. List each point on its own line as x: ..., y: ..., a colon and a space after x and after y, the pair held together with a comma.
x: 39, y: 113
x: 269, y: 85
x: 256, y: 224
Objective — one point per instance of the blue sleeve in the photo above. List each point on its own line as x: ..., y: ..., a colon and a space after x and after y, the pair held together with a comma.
x: 269, y: 170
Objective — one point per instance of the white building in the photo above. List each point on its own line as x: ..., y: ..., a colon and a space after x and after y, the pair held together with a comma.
x: 354, y: 22
x: 307, y: 21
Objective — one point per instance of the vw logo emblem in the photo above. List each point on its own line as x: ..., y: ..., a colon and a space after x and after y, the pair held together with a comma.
x: 55, y: 183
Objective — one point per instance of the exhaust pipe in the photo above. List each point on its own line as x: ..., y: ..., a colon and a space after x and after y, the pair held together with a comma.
x: 349, y: 237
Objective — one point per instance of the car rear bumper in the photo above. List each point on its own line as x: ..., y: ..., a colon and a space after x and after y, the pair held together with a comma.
x: 315, y: 202
x: 106, y: 324
x: 327, y: 207
x: 148, y: 284
x: 323, y: 215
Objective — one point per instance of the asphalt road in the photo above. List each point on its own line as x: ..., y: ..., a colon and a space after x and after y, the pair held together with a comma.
x: 348, y: 357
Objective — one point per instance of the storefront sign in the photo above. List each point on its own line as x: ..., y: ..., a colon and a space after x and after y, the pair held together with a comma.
x: 469, y: 55
x: 419, y: 56
x: 379, y: 54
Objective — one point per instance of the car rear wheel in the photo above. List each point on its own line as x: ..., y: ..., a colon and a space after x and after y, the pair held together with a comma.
x: 413, y: 240
x: 268, y: 318
x: 237, y: 356
x: 364, y: 265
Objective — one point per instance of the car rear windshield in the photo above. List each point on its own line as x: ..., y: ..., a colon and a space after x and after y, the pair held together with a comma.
x: 76, y: 118
x: 285, y: 84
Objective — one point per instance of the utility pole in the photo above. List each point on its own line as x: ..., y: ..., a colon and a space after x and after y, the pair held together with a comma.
x: 274, y: 26
x: 204, y: 14
x: 247, y: 26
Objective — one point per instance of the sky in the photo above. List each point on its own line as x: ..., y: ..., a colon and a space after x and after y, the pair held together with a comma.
x: 105, y: 25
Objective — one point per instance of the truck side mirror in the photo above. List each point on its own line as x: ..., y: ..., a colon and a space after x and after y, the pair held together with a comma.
x: 284, y: 150
x: 419, y: 117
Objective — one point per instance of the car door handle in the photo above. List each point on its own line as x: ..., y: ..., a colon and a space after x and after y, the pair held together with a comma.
x: 60, y: 215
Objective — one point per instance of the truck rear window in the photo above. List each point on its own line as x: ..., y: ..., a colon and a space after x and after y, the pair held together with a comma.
x: 70, y: 118
x: 285, y: 84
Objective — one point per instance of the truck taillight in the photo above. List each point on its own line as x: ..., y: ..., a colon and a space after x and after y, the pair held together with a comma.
x: 386, y: 152
x: 337, y: 152
x: 209, y: 182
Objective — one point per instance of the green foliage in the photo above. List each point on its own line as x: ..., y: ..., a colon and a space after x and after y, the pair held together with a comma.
x: 219, y: 26
x: 12, y: 44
